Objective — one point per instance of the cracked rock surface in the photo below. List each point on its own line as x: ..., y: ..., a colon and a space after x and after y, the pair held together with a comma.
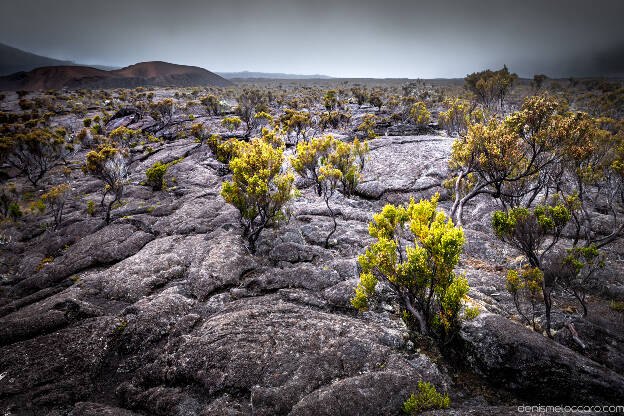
x: 165, y: 312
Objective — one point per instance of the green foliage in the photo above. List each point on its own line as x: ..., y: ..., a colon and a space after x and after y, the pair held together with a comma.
x: 330, y: 101
x: 34, y: 152
x: 156, y: 175
x: 367, y: 126
x: 211, y: 102
x: 259, y: 189
x: 296, y: 121
x: 329, y: 178
x: 231, y: 123
x: 534, y: 232
x: 108, y: 163
x: 124, y: 135
x: 309, y: 157
x: 375, y: 100
x: 334, y: 119
x: 223, y: 150
x: 537, y: 149
x: 122, y: 323
x: 427, y: 399
x: 14, y: 211
x: 55, y: 199
x: 421, y: 275
x: 459, y: 115
x: 490, y: 86
x: 364, y: 291
x: 37, y: 207
x: 91, y: 207
x: 617, y: 306
x: 420, y: 115
x: 578, y: 267
x: 360, y: 94
x: 525, y: 288
x: 347, y: 158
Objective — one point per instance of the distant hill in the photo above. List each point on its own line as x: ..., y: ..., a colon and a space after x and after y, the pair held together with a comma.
x: 15, y: 60
x: 268, y: 75
x: 156, y: 73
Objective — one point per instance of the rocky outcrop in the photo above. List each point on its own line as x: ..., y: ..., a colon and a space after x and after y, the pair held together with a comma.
x: 166, y: 312
x: 535, y: 367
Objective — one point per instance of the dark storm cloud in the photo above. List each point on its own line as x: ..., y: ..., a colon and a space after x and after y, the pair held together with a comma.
x: 390, y: 38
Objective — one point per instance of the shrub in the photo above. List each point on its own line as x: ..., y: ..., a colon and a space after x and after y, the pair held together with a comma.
x: 579, y: 266
x: 420, y: 115
x: 459, y: 115
x: 334, y: 119
x: 490, y: 86
x: 8, y: 196
x: 296, y: 121
x: 309, y: 156
x: 617, y: 306
x: 224, y: 151
x: 526, y: 285
x: 348, y: 160
x: 533, y: 233
x: 211, y: 102
x: 538, y: 81
x: 329, y: 178
x: 360, y: 150
x: 367, y: 126
x: 376, y: 101
x: 108, y: 163
x: 14, y: 211
x: 124, y: 135
x: 33, y: 153
x: 162, y: 111
x: 55, y: 199
x: 427, y: 398
x: 156, y: 174
x: 543, y: 150
x: 198, y: 131
x: 231, y: 123
x: 250, y: 102
x: 421, y: 276
x: 91, y: 207
x: 25, y: 104
x: 360, y: 94
x: 259, y: 189
x: 330, y: 101
x: 506, y: 158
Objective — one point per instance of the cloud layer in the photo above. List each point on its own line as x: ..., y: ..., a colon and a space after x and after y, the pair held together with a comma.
x: 348, y: 38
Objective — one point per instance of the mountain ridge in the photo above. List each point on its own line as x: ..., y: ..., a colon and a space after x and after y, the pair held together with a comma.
x: 269, y: 75
x: 154, y: 73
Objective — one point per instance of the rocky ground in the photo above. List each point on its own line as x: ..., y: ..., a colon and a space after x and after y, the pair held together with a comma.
x: 165, y: 312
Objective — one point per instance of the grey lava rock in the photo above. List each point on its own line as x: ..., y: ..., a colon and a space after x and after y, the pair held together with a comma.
x: 537, y: 368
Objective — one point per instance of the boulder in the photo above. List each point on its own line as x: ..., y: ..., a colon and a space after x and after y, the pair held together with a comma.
x: 536, y: 368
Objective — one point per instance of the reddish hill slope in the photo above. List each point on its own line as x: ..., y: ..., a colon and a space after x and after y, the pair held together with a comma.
x: 159, y: 74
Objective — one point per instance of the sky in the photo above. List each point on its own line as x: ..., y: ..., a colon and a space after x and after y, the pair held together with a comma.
x: 341, y: 38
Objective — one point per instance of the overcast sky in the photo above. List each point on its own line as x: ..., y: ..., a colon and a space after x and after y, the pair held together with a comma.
x: 344, y: 38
